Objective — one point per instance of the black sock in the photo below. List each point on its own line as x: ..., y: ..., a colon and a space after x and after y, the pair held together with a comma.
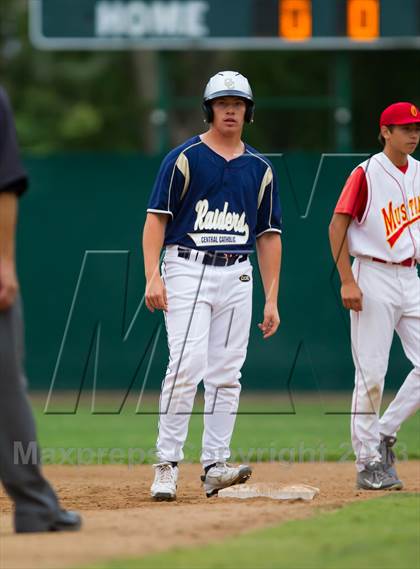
x: 207, y: 468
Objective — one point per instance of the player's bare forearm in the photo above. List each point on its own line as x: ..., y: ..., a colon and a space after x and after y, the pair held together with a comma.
x: 269, y: 251
x: 351, y: 294
x: 339, y: 246
x: 269, y: 261
x: 153, y: 238
x: 8, y: 279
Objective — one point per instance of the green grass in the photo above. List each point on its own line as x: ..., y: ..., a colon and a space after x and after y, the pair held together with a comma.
x: 308, y: 435
x: 377, y: 534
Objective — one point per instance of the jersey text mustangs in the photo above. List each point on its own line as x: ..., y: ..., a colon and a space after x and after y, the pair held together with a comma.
x: 398, y: 218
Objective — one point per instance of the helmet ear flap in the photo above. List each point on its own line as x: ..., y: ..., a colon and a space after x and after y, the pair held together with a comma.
x: 249, y: 113
x: 207, y: 111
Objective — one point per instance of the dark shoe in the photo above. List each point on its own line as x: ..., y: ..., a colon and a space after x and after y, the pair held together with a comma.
x: 62, y: 521
x: 374, y: 477
x: 67, y: 521
x: 388, y: 455
x: 223, y: 475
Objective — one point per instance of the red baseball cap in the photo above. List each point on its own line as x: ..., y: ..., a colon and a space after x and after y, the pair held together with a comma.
x: 400, y: 113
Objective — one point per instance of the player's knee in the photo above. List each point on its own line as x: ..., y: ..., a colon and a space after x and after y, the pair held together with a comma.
x: 369, y: 387
x: 371, y: 372
x: 194, y: 360
x: 214, y: 384
x: 416, y: 370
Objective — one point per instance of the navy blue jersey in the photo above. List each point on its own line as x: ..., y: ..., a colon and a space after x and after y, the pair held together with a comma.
x: 215, y: 204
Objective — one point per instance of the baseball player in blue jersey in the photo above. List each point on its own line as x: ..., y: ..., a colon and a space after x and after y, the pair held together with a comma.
x: 214, y: 199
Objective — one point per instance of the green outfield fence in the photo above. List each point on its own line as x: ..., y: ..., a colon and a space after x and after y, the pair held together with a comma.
x: 96, y: 203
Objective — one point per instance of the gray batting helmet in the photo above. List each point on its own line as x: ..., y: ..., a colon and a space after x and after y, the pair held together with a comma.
x: 228, y: 84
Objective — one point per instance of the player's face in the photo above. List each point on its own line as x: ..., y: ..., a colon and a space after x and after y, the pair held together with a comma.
x: 229, y: 114
x: 404, y: 138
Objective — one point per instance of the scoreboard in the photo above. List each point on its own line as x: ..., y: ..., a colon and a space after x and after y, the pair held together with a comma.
x: 225, y: 24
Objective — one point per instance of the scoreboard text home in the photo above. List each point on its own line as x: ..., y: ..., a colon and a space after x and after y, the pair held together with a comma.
x: 225, y: 24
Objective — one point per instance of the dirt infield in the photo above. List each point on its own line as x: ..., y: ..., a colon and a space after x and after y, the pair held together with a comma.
x: 121, y: 521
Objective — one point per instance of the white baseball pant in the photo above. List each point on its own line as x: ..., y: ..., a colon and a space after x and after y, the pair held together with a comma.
x: 391, y: 301
x: 208, y: 322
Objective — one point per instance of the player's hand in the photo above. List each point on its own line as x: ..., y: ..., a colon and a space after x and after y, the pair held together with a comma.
x: 8, y: 285
x: 155, y: 296
x: 271, y: 320
x: 352, y: 296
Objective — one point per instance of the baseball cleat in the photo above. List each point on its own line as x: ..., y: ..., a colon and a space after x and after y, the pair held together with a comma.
x: 375, y: 477
x: 388, y: 455
x: 223, y: 475
x: 67, y: 521
x: 164, y: 485
x: 64, y: 520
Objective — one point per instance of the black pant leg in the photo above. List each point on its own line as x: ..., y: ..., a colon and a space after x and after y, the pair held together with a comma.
x: 35, y: 501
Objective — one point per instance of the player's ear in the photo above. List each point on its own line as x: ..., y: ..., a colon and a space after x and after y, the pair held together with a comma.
x: 385, y: 132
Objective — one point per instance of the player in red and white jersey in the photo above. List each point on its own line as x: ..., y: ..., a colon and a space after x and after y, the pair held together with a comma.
x: 377, y: 221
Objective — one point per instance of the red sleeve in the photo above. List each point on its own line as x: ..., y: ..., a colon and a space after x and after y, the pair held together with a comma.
x: 354, y: 196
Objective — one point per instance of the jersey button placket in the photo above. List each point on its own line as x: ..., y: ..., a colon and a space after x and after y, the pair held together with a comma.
x: 225, y: 175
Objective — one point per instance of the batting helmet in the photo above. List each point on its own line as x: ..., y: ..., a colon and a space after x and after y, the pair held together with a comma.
x: 228, y: 84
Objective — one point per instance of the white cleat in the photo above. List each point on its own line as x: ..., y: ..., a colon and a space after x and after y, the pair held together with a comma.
x: 223, y: 475
x: 164, y: 485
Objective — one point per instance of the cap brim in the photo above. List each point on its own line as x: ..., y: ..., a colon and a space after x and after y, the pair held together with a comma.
x: 229, y: 93
x: 411, y: 120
